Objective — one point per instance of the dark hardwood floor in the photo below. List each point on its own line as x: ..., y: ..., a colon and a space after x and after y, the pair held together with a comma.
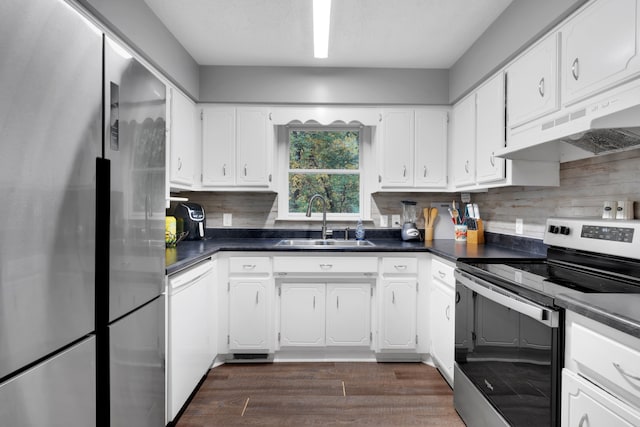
x: 322, y: 394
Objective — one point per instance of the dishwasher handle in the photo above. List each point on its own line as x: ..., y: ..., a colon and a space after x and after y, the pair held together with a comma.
x: 544, y: 315
x: 191, y: 276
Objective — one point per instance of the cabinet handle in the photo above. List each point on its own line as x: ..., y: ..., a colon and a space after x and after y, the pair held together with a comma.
x: 466, y: 166
x: 314, y: 302
x: 492, y: 159
x: 624, y: 373
x: 541, y: 87
x: 257, y: 297
x: 338, y: 303
x: 179, y: 163
x: 393, y: 297
x: 575, y: 69
x: 442, y: 274
x: 400, y: 267
x: 458, y: 297
x: 584, y: 419
x: 424, y: 174
x: 224, y: 170
x: 248, y: 266
x: 446, y: 312
x: 404, y: 171
x: 326, y: 266
x: 245, y: 169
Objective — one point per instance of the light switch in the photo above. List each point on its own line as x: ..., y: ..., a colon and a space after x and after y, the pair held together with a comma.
x: 227, y: 219
x: 519, y: 226
x: 384, y: 221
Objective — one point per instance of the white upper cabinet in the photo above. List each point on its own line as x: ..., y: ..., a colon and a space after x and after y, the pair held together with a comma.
x: 599, y: 48
x: 532, y: 83
x: 413, y: 149
x: 218, y: 146
x: 237, y: 147
x: 431, y: 130
x: 182, y: 140
x: 490, y: 130
x: 254, y: 147
x: 463, y: 141
x: 397, y: 148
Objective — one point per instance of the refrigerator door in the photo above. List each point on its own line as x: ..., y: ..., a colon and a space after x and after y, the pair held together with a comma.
x: 138, y: 367
x: 50, y: 133
x: 58, y: 392
x: 135, y: 146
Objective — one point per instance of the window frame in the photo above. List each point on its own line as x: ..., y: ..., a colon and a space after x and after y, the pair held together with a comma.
x: 283, y: 133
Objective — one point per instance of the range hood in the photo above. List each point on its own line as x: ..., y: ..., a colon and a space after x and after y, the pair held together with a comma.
x: 605, y: 123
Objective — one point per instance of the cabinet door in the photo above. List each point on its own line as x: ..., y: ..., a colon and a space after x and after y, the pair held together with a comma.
x: 442, y: 329
x: 431, y: 148
x: 253, y: 147
x: 218, y: 146
x: 532, y: 83
x: 464, y: 142
x: 397, y: 148
x: 398, y: 314
x: 182, y: 139
x: 248, y: 315
x: 599, y: 48
x: 490, y: 130
x: 348, y: 314
x: 302, y: 314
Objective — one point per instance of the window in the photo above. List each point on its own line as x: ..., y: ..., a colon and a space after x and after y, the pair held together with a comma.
x: 326, y: 161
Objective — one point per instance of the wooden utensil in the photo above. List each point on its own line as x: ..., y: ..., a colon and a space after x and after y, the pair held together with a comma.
x: 433, y: 214
x: 427, y: 217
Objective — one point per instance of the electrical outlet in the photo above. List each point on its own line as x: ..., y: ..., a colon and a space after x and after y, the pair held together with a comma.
x: 395, y: 221
x: 519, y: 226
x: 384, y: 221
x: 227, y: 219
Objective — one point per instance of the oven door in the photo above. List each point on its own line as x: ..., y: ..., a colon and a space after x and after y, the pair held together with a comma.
x: 508, y: 356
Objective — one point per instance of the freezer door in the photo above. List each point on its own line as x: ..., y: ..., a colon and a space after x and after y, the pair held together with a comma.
x: 50, y: 134
x: 135, y: 146
x: 58, y: 392
x: 138, y: 367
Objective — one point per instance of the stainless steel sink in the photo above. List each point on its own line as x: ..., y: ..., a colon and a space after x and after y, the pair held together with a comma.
x: 326, y: 244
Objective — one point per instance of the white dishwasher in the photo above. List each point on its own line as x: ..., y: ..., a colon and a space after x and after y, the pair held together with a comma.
x: 189, y: 332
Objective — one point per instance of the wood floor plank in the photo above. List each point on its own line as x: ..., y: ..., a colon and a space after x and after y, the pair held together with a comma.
x: 311, y: 394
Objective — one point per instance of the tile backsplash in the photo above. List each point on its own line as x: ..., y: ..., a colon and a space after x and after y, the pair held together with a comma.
x: 584, y: 186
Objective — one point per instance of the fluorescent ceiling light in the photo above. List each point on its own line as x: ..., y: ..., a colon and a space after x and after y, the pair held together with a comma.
x: 321, y: 20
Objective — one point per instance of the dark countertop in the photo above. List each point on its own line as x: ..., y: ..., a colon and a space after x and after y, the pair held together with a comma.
x: 188, y: 253
x: 619, y: 311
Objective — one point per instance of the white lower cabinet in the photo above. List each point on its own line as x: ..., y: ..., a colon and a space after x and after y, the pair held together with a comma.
x: 325, y: 314
x: 442, y: 315
x: 398, y: 314
x: 250, y: 290
x: 600, y: 385
x: 348, y: 314
x: 302, y: 315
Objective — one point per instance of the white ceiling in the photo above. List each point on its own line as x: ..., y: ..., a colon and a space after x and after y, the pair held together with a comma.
x: 364, y: 33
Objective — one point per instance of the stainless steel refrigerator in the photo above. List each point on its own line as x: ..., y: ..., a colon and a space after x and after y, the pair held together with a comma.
x: 81, y: 310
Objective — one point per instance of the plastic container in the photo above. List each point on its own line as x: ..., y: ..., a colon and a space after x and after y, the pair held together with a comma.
x: 359, y: 230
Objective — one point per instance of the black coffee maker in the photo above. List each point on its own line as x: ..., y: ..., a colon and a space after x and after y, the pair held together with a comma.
x: 193, y: 219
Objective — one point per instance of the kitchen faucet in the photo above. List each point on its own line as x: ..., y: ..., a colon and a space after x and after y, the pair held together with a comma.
x: 325, y: 232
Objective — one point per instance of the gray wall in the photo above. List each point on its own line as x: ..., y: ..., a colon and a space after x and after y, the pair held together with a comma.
x: 324, y: 85
x: 519, y: 25
x: 138, y: 26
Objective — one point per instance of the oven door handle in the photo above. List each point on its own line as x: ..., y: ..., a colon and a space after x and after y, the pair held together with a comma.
x: 505, y: 298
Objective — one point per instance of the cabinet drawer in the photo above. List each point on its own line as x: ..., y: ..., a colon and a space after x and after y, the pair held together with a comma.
x: 612, y: 364
x: 246, y: 265
x: 399, y: 265
x: 584, y: 404
x: 443, y: 272
x: 296, y: 264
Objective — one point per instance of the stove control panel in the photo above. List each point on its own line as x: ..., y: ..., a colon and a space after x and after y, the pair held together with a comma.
x: 606, y: 236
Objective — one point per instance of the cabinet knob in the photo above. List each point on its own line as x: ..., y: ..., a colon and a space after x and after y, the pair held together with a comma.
x: 466, y: 166
x: 224, y: 170
x: 492, y: 159
x: 400, y: 267
x: 326, y: 266
x: 447, y: 312
x: 424, y: 174
x: 245, y: 169
x: 404, y: 171
x: 179, y: 163
x: 584, y: 421
x: 575, y: 69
